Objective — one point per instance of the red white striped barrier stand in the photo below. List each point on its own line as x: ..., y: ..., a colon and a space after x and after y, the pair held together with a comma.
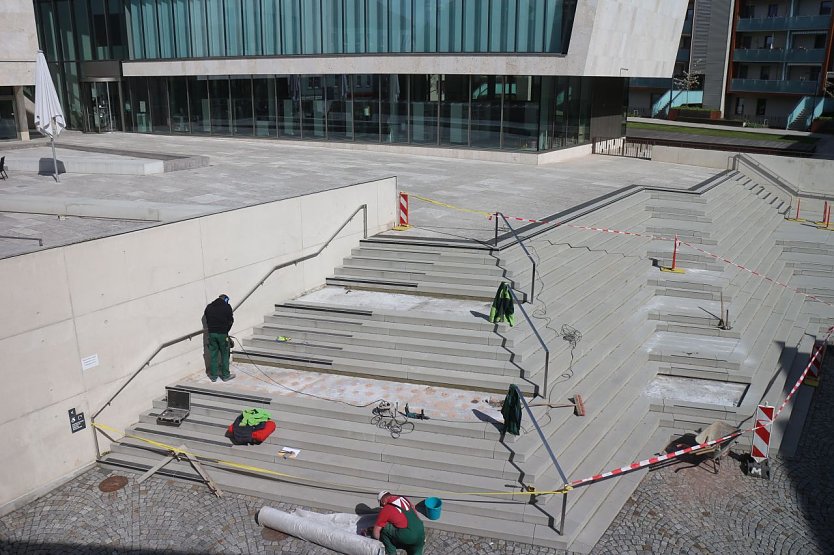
x: 761, y: 443
x: 674, y: 267
x: 403, y: 218
x: 815, y: 371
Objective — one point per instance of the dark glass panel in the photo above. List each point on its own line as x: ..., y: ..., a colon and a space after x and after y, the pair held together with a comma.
x: 158, y: 90
x: 339, y: 95
x: 266, y: 115
x: 366, y: 108
x: 288, y: 96
x: 199, y: 105
x: 141, y: 104
x: 220, y: 112
x: 486, y: 94
x: 178, y: 99
x: 424, y: 108
x: 312, y: 107
x: 242, y: 106
x: 395, y: 108
x: 454, y: 110
x: 521, y: 112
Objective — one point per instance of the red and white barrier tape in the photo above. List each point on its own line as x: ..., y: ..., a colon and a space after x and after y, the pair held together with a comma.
x: 668, y: 456
x: 755, y: 273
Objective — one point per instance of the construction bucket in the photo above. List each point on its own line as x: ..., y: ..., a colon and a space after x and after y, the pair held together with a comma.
x: 433, y: 505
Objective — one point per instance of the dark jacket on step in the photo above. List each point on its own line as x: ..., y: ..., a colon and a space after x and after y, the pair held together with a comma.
x: 219, y: 317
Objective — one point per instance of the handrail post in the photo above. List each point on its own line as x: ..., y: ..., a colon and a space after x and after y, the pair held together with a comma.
x: 364, y: 221
x: 546, y: 372
x: 496, y: 227
x: 533, y: 284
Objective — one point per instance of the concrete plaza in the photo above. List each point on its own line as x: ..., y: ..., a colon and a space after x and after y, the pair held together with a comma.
x: 244, y: 172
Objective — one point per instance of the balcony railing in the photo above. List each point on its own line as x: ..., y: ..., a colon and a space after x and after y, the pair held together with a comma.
x: 773, y: 86
x: 793, y: 55
x: 651, y: 82
x: 796, y: 23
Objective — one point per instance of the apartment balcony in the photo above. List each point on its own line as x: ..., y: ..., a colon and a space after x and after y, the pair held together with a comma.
x: 773, y: 86
x: 795, y: 23
x: 811, y: 56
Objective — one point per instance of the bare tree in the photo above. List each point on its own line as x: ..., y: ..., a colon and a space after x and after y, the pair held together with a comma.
x: 688, y: 81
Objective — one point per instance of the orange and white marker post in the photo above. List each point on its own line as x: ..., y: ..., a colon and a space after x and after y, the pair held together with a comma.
x: 673, y: 268
x: 761, y: 442
x: 815, y: 370
x: 403, y: 210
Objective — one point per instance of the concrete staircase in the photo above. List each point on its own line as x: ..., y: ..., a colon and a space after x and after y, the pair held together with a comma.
x: 768, y: 342
x: 414, y: 310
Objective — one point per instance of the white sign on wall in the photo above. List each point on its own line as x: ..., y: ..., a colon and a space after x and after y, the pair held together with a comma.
x: 89, y: 362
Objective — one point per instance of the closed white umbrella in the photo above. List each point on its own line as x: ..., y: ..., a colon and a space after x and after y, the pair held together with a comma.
x: 49, y: 116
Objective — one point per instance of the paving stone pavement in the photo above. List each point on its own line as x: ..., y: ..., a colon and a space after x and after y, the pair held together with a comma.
x: 679, y: 509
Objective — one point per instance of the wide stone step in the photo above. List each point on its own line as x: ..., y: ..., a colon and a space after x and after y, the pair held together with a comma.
x: 353, y: 270
x: 427, y: 266
x: 231, y: 400
x: 323, y: 323
x: 442, y: 377
x: 397, y: 355
x: 415, y: 287
x: 306, y: 440
x: 684, y: 370
x: 437, y: 255
x: 300, y: 336
x: 409, y: 314
x: 702, y: 351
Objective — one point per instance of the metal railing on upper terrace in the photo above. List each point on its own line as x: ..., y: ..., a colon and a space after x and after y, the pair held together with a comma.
x: 363, y: 208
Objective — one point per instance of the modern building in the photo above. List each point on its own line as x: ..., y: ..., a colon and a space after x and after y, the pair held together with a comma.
x: 781, y: 50
x: 18, y: 44
x: 522, y: 75
x: 764, y: 63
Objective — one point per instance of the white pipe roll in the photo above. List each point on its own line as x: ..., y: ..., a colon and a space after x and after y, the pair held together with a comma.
x: 316, y: 530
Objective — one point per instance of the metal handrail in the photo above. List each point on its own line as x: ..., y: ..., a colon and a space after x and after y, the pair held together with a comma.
x: 765, y: 172
x: 552, y: 458
x: 40, y: 241
x: 518, y: 240
x: 363, y: 207
x: 541, y: 341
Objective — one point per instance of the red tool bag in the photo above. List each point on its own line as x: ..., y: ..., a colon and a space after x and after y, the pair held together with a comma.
x: 249, y: 435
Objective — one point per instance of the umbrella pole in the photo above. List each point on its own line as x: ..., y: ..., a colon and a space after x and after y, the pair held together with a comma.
x: 55, y: 161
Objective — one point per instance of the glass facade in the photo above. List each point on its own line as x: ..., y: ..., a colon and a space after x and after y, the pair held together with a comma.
x: 85, y: 40
x: 165, y: 29
x: 522, y: 113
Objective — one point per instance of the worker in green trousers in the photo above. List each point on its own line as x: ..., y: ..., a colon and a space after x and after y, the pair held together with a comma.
x: 398, y: 526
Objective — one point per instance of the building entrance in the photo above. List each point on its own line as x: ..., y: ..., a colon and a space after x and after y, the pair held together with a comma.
x: 101, y: 106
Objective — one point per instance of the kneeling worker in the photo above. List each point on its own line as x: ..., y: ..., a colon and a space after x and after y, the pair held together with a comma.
x: 398, y: 525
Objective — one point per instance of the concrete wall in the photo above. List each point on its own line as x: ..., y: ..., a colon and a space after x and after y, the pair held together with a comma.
x: 18, y: 43
x: 808, y: 175
x: 693, y: 157
x: 121, y: 297
x: 610, y: 38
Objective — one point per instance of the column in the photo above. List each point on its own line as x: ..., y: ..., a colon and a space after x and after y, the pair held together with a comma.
x: 20, y: 114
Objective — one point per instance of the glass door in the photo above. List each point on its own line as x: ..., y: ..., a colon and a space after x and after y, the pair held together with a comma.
x: 102, y: 107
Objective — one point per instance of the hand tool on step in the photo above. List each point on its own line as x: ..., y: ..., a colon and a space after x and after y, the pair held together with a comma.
x: 576, y: 402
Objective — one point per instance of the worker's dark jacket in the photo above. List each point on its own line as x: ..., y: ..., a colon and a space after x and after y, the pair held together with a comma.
x: 219, y: 317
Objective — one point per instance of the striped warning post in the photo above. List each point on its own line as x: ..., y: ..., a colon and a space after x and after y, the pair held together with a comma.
x: 761, y: 433
x: 404, y: 209
x: 815, y: 370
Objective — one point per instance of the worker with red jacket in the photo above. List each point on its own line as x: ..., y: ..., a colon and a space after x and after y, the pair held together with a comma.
x: 398, y: 526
